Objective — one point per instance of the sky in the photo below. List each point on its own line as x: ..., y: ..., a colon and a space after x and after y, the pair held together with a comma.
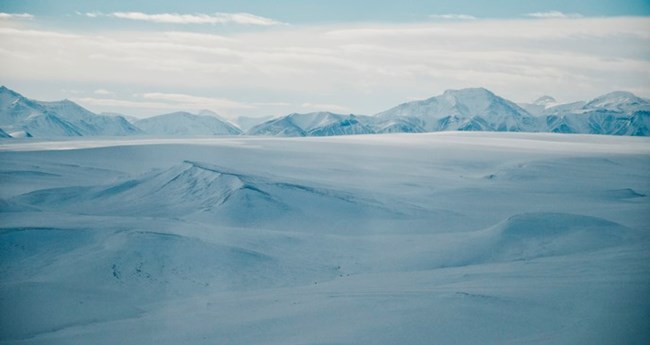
x: 260, y: 58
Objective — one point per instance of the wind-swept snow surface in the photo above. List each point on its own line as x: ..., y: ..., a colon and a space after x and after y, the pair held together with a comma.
x: 444, y: 238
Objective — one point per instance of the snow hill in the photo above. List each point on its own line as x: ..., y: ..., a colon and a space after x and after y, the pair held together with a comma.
x: 200, y: 191
x: 186, y: 124
x: 49, y: 119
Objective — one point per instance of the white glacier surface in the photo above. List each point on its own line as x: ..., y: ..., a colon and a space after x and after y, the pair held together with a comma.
x: 432, y: 238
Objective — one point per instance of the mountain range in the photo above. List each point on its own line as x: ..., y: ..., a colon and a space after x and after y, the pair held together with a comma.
x: 472, y: 109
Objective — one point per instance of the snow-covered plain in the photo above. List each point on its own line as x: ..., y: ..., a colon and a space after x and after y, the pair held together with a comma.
x: 436, y: 238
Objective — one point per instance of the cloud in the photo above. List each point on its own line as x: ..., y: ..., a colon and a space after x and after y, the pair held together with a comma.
x: 325, y: 107
x: 553, y: 15
x: 271, y: 104
x: 91, y: 14
x: 196, y: 101
x: 160, y: 102
x: 452, y: 16
x: 16, y: 16
x: 196, y: 38
x: 121, y: 103
x: 103, y: 92
x: 199, y: 18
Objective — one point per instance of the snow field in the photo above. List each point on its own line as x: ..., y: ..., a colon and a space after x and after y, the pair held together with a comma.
x: 450, y: 238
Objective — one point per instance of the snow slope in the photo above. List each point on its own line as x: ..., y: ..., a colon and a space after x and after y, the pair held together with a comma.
x: 186, y: 124
x: 452, y: 238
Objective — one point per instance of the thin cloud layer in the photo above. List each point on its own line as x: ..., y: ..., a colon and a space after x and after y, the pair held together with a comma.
x: 16, y: 16
x: 199, y: 18
x: 103, y: 92
x: 452, y: 16
x: 325, y: 107
x: 553, y: 14
x: 200, y: 102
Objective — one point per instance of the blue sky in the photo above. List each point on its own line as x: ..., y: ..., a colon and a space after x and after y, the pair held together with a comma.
x: 257, y: 58
x: 308, y: 11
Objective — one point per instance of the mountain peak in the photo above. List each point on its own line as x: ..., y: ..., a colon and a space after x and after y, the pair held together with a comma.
x: 7, y: 91
x: 618, y: 101
x: 208, y: 112
x: 471, y: 97
x: 618, y: 94
x: 618, y: 97
x: 179, y: 113
x: 467, y: 104
x: 472, y: 91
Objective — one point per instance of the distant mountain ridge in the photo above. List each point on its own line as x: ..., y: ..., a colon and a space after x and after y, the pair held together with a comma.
x: 184, y: 124
x: 466, y: 109
x: 471, y: 109
x: 312, y: 124
x: 20, y: 116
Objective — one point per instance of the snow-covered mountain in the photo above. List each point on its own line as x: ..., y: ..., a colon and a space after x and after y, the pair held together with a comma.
x: 88, y: 122
x: 473, y: 109
x: 616, y: 113
x: 600, y: 122
x: 314, y: 124
x: 619, y: 101
x: 19, y: 114
x: 539, y: 106
x: 466, y: 109
x: 186, y: 124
